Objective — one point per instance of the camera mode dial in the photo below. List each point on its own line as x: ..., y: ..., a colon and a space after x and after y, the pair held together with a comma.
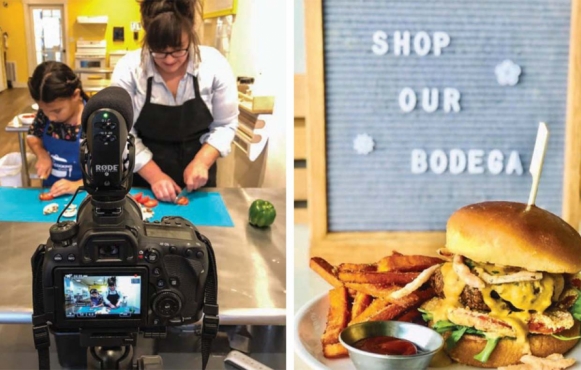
x: 167, y: 304
x: 63, y: 231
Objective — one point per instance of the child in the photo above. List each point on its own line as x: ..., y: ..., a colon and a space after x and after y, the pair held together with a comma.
x: 55, y: 134
x: 96, y: 298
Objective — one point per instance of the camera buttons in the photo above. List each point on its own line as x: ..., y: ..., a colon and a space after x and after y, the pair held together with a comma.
x: 157, y: 271
x: 71, y: 257
x: 58, y: 257
x: 160, y: 283
x: 189, y: 253
x: 199, y: 254
x: 174, y: 282
x: 152, y: 256
x: 173, y: 249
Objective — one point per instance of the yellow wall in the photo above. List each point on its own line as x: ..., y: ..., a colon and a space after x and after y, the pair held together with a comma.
x: 12, y: 22
x: 121, y: 13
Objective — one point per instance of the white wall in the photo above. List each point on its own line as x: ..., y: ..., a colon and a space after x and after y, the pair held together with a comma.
x: 258, y: 49
x: 132, y: 291
x: 299, y: 32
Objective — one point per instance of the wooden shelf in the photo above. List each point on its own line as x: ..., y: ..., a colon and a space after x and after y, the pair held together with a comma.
x: 256, y: 104
x: 101, y: 19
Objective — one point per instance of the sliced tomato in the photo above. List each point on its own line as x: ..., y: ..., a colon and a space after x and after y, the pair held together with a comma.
x: 138, y: 197
x: 46, y: 196
x: 150, y: 203
x: 183, y: 201
x: 144, y: 199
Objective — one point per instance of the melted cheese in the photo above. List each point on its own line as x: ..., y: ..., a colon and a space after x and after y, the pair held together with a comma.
x: 527, y: 296
x: 453, y: 287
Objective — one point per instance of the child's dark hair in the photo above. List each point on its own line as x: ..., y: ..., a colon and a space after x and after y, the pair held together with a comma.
x: 54, y: 80
x: 112, y: 281
x: 164, y: 21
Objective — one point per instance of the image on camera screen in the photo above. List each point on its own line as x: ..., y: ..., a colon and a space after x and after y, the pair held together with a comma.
x: 99, y: 296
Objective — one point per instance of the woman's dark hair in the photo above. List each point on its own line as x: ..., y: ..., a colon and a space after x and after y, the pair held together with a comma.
x: 111, y: 281
x: 164, y: 21
x: 94, y: 291
x: 54, y: 80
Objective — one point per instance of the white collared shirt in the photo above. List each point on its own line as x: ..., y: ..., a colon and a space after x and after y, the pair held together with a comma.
x: 217, y: 89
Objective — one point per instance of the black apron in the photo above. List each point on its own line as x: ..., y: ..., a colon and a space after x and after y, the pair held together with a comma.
x: 113, y: 298
x: 172, y: 133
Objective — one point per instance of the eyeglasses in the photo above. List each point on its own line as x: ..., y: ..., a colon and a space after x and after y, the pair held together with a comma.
x: 176, y: 53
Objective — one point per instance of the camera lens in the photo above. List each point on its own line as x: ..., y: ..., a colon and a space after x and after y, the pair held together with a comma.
x: 108, y: 251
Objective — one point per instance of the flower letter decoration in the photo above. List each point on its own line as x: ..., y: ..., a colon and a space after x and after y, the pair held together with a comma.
x: 363, y: 144
x: 507, y: 73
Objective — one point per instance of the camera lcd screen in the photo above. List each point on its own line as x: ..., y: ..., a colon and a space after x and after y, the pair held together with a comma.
x: 91, y: 296
x: 168, y: 232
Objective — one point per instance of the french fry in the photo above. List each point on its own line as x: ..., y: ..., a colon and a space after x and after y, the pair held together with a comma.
x: 413, y: 316
x: 401, y: 263
x: 338, y: 315
x: 376, y: 306
x: 385, y: 310
x: 378, y: 291
x: 334, y: 350
x: 360, y: 303
x: 384, y: 278
x: 325, y: 270
x: 356, y: 267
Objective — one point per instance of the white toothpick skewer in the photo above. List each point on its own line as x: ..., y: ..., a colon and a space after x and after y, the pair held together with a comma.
x: 537, y: 161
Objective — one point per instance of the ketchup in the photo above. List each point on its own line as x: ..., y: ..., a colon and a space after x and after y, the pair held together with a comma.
x: 385, y: 345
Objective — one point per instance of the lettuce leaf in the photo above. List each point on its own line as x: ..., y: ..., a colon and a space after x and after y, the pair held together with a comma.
x: 426, y: 316
x: 576, y: 308
x: 456, y: 335
x: 487, y: 351
x: 458, y: 331
x: 565, y: 338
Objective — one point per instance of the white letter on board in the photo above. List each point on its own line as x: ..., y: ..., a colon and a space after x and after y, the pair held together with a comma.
x: 430, y: 101
x: 422, y: 43
x: 495, y: 161
x: 451, y: 100
x: 475, y: 161
x: 401, y: 44
x: 419, y: 161
x: 407, y: 100
x: 441, y: 40
x: 457, y: 161
x: 438, y: 161
x: 514, y: 164
x: 380, y: 46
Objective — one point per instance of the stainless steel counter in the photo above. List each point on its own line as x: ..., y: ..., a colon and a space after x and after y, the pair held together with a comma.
x: 251, y: 263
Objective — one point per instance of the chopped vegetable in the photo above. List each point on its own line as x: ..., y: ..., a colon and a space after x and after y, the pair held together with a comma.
x: 183, y: 201
x: 46, y: 196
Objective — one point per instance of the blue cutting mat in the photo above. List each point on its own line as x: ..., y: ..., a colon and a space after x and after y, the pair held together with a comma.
x: 23, y: 205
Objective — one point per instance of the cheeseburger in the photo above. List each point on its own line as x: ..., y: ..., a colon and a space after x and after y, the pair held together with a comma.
x: 509, y: 288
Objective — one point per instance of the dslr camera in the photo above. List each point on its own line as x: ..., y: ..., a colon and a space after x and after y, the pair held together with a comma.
x: 110, y: 275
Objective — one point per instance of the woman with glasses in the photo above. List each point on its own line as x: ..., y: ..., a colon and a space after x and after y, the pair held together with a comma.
x: 185, y: 101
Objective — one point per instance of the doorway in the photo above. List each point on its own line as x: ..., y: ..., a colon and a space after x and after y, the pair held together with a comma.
x: 46, y: 34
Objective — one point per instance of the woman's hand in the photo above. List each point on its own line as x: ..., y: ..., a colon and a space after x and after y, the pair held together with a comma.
x: 43, y: 166
x: 164, y: 188
x: 63, y: 186
x: 196, y: 175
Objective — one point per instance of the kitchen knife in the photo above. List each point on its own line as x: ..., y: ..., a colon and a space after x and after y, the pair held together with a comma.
x: 182, y: 193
